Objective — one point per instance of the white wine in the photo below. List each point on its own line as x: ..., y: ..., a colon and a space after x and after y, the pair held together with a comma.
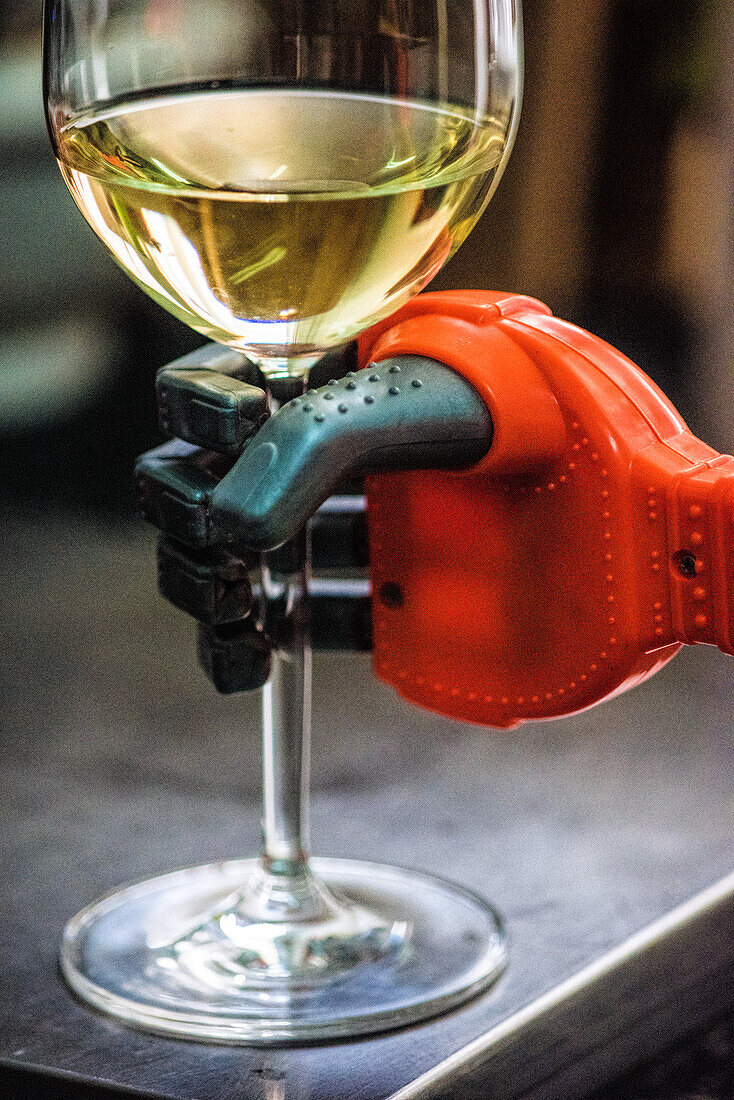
x: 282, y: 222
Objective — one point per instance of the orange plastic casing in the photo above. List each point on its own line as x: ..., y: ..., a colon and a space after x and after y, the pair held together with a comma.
x: 594, y: 538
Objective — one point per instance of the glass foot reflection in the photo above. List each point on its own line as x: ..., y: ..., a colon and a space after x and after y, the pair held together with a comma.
x: 235, y: 953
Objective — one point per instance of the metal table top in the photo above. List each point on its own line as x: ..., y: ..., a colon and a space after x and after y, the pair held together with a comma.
x: 120, y: 762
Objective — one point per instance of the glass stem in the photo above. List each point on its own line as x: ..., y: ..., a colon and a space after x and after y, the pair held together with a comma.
x: 286, y: 698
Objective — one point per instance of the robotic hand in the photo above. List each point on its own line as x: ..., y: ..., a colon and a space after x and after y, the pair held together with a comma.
x: 214, y: 521
x: 544, y: 531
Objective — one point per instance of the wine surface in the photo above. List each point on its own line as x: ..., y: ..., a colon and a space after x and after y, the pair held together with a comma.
x: 282, y: 222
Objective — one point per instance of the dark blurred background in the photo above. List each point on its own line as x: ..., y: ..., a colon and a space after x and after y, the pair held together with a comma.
x: 613, y: 210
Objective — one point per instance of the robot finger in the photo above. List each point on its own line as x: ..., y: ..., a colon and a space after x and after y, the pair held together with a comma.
x: 406, y: 413
x: 214, y: 398
x: 213, y: 586
x: 174, y: 486
x: 235, y: 656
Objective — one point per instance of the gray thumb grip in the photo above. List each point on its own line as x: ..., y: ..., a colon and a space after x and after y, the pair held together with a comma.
x: 404, y: 413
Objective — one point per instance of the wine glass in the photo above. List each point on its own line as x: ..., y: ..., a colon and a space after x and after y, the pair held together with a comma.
x: 280, y: 175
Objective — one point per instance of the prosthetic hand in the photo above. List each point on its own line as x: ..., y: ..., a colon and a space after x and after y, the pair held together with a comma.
x: 544, y: 531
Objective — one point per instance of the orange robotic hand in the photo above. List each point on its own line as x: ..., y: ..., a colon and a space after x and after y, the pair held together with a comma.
x: 571, y: 562
x: 579, y: 537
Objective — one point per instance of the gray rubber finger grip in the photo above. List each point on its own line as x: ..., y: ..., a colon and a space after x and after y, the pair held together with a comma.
x: 212, y: 398
x: 406, y: 413
x: 174, y: 485
x: 235, y: 657
x: 211, y: 585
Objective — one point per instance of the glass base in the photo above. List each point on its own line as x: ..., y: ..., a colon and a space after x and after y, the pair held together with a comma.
x: 230, y: 952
